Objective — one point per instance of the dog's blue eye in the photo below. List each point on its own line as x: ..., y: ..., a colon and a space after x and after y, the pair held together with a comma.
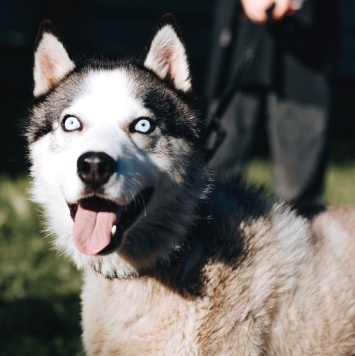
x: 143, y: 126
x: 71, y: 123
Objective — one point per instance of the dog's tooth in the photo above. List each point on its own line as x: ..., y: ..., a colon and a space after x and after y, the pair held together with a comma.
x: 113, y: 230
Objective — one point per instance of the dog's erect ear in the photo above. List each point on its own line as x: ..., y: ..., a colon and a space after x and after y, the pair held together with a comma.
x: 52, y: 62
x: 167, y: 56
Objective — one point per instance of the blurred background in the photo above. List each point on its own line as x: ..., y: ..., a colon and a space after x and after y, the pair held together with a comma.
x: 39, y: 291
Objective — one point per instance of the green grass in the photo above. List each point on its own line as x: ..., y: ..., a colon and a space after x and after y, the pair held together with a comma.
x: 340, y: 180
x: 39, y: 290
x: 340, y: 184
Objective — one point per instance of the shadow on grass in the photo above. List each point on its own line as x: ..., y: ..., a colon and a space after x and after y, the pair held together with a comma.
x: 40, y: 327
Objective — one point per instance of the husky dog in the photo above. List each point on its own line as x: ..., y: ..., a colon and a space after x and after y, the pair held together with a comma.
x: 175, y: 263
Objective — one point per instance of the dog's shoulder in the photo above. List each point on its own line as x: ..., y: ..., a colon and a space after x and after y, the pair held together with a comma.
x: 247, y: 213
x: 246, y: 227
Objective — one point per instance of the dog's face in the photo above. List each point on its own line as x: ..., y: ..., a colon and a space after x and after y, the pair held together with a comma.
x: 115, y: 153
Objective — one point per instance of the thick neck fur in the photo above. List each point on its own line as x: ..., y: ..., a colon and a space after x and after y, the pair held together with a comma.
x: 183, y: 272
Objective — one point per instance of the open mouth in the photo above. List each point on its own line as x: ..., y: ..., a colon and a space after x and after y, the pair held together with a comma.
x: 99, y: 223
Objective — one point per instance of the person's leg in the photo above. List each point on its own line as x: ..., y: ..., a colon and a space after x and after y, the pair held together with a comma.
x: 298, y: 138
x: 239, y: 122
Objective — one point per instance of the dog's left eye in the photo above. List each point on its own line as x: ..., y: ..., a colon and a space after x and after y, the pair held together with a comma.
x: 142, y: 125
x: 71, y: 123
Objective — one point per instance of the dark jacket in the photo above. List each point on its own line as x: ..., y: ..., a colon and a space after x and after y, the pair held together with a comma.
x: 294, y: 56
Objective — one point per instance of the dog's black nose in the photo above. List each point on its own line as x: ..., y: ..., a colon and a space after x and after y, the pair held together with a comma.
x: 95, y: 168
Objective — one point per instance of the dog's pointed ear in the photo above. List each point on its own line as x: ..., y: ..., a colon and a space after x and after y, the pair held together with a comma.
x: 52, y: 62
x: 167, y: 55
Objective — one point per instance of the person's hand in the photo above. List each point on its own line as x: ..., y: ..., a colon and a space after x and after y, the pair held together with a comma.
x: 256, y: 9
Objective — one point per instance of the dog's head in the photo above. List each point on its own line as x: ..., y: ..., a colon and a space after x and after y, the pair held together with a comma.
x: 115, y: 152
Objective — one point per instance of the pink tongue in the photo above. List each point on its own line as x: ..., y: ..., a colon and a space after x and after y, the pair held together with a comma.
x: 92, y: 230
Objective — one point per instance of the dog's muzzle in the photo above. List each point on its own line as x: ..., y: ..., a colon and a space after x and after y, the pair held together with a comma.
x: 99, y: 222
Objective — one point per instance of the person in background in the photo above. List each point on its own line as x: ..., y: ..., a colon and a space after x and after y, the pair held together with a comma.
x: 282, y: 52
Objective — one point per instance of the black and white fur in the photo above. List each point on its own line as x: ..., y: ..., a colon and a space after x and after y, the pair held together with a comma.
x: 205, y: 268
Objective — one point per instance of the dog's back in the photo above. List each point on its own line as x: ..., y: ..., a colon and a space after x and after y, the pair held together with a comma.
x: 318, y: 318
x: 293, y: 290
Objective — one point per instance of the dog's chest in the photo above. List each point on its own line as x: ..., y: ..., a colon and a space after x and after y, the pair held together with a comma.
x: 134, y: 317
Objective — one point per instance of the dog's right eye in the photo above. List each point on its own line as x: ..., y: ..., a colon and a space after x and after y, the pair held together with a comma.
x: 71, y: 123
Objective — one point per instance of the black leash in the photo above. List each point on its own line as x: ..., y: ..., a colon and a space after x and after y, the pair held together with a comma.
x: 215, y: 133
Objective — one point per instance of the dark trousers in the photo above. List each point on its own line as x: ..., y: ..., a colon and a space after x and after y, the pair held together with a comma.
x: 298, y: 139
